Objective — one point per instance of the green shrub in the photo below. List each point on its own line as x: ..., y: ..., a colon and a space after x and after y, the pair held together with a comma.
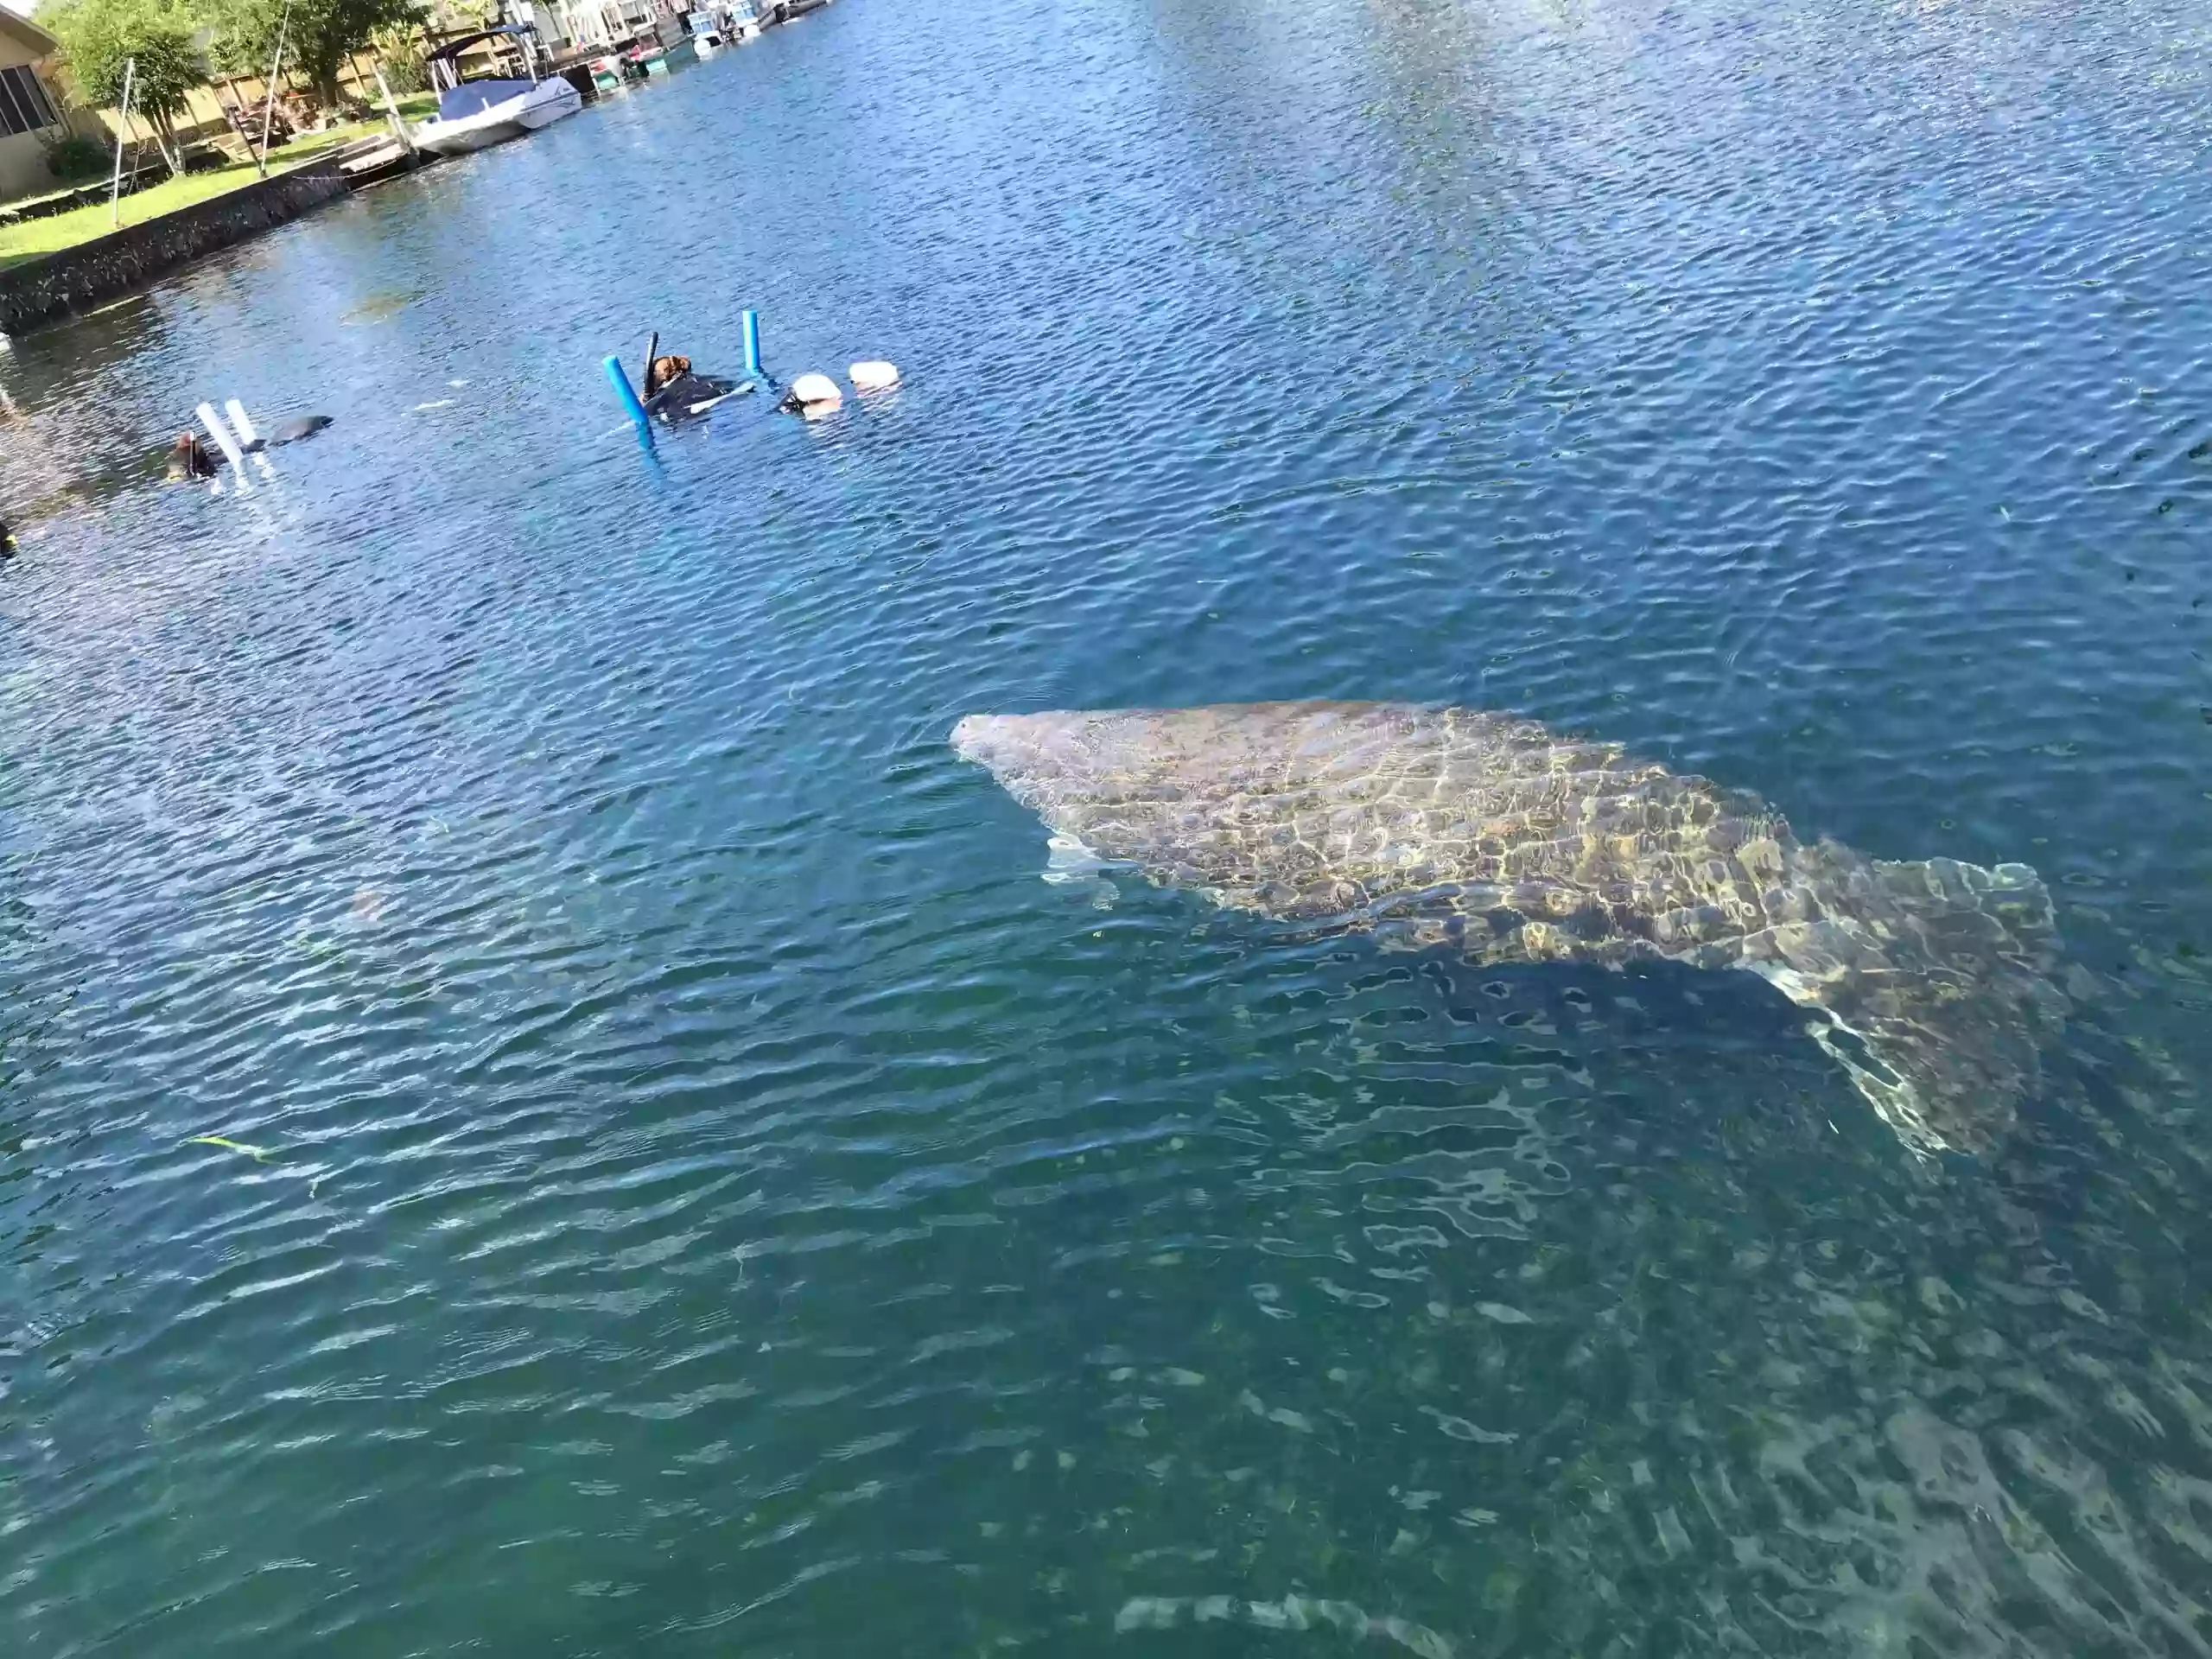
x: 100, y: 39
x: 76, y: 157
x: 404, y: 73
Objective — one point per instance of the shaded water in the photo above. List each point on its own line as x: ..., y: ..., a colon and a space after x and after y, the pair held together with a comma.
x: 714, y: 1197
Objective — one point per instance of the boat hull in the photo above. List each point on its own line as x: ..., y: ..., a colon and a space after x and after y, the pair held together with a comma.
x: 542, y: 105
x: 542, y: 111
x: 460, y: 138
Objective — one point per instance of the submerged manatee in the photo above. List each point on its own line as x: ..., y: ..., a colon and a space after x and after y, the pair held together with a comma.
x: 291, y: 431
x: 303, y: 426
x: 1491, y: 836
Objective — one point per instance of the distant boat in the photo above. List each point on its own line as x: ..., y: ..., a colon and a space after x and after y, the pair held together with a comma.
x: 492, y: 109
x: 741, y: 21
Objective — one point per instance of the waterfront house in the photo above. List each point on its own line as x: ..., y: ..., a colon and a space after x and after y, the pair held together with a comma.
x: 30, y: 110
x: 575, y: 28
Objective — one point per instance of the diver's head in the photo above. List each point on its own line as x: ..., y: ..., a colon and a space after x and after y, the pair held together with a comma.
x: 811, y: 395
x: 664, y: 371
x: 188, y: 459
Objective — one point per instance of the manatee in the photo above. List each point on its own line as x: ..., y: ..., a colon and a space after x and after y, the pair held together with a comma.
x: 290, y: 432
x: 1931, y: 982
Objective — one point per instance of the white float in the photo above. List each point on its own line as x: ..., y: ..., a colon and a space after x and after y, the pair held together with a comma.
x: 875, y: 375
x: 816, y: 391
x: 248, y: 438
x: 227, y: 444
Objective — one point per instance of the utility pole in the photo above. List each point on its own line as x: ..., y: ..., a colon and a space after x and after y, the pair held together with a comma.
x: 115, y: 190
x: 269, y: 106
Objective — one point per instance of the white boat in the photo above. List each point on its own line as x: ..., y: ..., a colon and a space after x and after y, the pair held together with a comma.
x: 722, y: 26
x: 730, y: 23
x: 491, y: 109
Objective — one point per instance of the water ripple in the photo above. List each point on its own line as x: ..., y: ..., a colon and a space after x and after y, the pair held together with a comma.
x: 543, y: 1111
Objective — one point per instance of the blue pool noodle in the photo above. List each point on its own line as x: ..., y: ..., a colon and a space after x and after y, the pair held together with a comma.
x: 628, y: 394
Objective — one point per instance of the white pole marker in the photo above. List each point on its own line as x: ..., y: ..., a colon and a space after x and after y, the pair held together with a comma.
x: 227, y: 444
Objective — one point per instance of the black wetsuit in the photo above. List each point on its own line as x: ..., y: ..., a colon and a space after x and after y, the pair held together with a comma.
x: 673, y: 402
x: 189, y: 461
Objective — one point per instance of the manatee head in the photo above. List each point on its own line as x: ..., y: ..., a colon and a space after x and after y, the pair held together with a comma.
x: 1070, y: 770
x: 1071, y: 761
x: 1215, y: 799
x: 1029, y: 754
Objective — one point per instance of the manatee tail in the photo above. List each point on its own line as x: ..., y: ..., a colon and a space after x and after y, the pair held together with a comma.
x: 1935, y: 979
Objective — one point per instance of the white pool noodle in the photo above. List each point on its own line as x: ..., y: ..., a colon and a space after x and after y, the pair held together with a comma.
x: 248, y: 437
x: 227, y: 444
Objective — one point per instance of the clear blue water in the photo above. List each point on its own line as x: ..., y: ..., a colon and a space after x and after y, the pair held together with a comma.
x: 715, y: 1199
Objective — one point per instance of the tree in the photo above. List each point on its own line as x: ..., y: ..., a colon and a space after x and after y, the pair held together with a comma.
x: 318, y: 35
x: 101, y: 38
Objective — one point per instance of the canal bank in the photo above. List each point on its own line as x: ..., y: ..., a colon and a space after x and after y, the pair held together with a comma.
x: 73, y: 278
x: 93, y: 272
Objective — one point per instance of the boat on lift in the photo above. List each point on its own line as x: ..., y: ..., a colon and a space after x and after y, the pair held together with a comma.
x: 476, y: 113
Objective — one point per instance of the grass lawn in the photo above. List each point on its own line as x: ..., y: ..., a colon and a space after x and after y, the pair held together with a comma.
x: 50, y: 235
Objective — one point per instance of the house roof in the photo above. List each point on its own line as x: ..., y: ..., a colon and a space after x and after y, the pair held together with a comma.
x: 26, y: 33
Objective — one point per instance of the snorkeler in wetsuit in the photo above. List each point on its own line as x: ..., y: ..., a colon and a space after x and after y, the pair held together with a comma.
x: 812, y: 396
x: 673, y: 392
x: 189, y: 460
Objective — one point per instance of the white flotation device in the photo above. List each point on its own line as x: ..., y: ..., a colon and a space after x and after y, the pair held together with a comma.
x: 816, y: 391
x: 875, y: 375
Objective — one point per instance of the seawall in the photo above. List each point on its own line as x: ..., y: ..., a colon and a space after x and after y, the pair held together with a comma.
x: 40, y: 290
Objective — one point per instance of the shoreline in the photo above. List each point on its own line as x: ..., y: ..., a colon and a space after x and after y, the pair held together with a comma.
x: 55, y: 285
x: 66, y: 282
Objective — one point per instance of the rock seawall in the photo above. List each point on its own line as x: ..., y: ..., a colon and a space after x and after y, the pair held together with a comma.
x: 40, y: 290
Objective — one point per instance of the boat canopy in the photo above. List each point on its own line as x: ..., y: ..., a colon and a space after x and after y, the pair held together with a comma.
x: 451, y: 51
x: 473, y: 96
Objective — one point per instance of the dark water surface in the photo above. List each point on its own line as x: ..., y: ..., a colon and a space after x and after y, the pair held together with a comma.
x: 717, y: 1199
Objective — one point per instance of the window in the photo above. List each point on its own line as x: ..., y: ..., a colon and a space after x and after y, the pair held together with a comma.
x: 23, y: 106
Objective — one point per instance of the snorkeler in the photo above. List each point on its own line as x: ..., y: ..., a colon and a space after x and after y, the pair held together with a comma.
x: 189, y: 460
x: 811, y: 395
x: 674, y: 393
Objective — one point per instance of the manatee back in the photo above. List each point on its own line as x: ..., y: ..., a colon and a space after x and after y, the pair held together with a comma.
x: 1450, y: 825
x: 303, y: 426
